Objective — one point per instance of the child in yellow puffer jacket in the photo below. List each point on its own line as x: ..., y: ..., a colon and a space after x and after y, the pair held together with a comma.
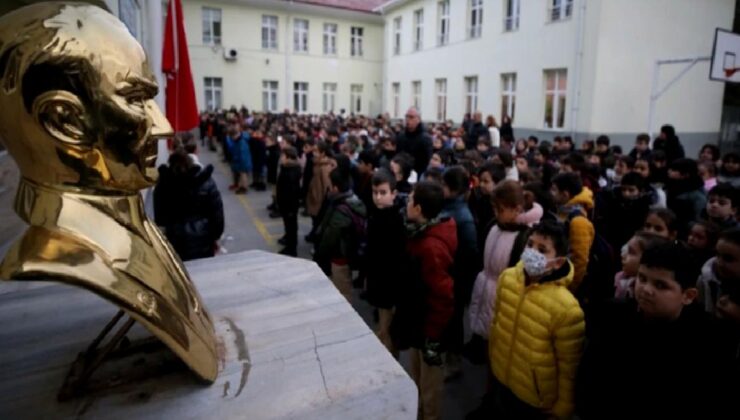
x: 537, y: 334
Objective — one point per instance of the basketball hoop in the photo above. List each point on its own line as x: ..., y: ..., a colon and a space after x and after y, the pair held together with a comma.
x: 724, y: 66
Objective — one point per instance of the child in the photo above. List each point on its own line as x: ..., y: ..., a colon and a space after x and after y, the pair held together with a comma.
x: 366, y: 164
x: 662, y: 222
x: 537, y: 383
x: 685, y: 190
x: 273, y: 157
x: 336, y: 239
x: 708, y: 173
x: 625, y: 210
x: 479, y: 202
x: 401, y: 165
x: 730, y: 170
x: 574, y: 203
x: 386, y: 248
x: 503, y: 247
x: 623, y: 166
x: 323, y: 163
x: 720, y: 276
x: 258, y: 148
x: 241, y: 158
x: 427, y: 302
x: 624, y: 281
x: 287, y: 194
x: 644, y: 168
x: 638, y: 363
x: 642, y: 148
x: 484, y: 146
x: 702, y: 241
x: 309, y: 148
x: 722, y: 204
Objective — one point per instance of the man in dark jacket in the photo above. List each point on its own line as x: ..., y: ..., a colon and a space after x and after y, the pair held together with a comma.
x: 668, y: 142
x: 475, y: 131
x: 415, y: 141
x: 188, y: 207
x: 287, y: 197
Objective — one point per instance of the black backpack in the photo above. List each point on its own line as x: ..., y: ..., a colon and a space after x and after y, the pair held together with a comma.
x: 357, y: 241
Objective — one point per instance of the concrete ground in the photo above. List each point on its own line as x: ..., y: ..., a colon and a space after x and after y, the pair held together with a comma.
x: 248, y: 226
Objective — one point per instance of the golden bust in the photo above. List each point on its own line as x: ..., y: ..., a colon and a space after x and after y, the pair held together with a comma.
x: 78, y: 117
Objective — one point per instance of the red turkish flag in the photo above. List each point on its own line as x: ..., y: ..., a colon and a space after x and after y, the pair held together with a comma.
x: 182, y: 110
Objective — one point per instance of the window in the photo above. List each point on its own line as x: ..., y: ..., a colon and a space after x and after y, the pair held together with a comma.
x: 555, y: 87
x: 269, y: 32
x: 418, y: 30
x: 269, y: 95
x: 130, y: 14
x: 213, y: 87
x: 396, y: 88
x: 561, y: 9
x: 471, y: 94
x: 511, y: 15
x: 441, y: 85
x: 300, y: 96
x: 416, y: 95
x: 211, y: 26
x: 330, y: 38
x: 330, y: 92
x: 476, y: 18
x: 396, y: 36
x: 356, y: 47
x: 355, y: 99
x: 508, y: 94
x: 300, y: 35
x: 443, y: 37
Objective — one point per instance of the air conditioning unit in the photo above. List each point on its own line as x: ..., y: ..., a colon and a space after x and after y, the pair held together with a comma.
x: 230, y: 54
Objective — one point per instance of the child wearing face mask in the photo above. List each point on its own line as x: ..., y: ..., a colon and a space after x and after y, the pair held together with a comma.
x: 624, y: 281
x: 503, y: 247
x: 386, y: 244
x: 536, y: 336
x: 639, y: 360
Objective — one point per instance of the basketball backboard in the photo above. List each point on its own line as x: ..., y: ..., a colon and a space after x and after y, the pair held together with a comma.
x: 725, y: 64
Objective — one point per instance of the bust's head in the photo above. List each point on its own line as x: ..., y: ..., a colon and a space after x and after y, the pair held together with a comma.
x: 76, y: 99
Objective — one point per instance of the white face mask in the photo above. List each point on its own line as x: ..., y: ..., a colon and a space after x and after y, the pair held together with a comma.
x: 535, y: 262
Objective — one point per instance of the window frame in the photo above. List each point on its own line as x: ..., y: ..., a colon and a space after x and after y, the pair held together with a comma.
x: 396, y: 97
x: 355, y: 98
x: 443, y: 23
x: 397, y: 22
x: 471, y: 95
x: 329, y: 94
x: 557, y: 95
x: 211, y: 12
x: 213, y: 87
x: 512, y: 9
x: 508, y: 95
x: 272, y: 32
x: 559, y: 10
x: 300, y: 35
x: 330, y: 38
x: 440, y: 94
x: 416, y: 95
x: 419, y: 29
x: 300, y: 97
x: 475, y: 27
x: 356, y: 35
x: 270, y: 95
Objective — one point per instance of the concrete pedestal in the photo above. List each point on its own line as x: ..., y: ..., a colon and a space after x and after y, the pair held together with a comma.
x: 294, y: 349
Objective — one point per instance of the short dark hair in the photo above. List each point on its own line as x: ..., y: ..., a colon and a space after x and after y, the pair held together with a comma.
x: 569, y: 182
x: 384, y: 176
x: 339, y: 179
x: 544, y: 150
x: 433, y: 174
x: 406, y: 162
x: 505, y: 157
x: 430, y: 197
x: 628, y: 160
x: 534, y: 139
x: 368, y: 157
x: 726, y: 190
x: 290, y: 152
x: 325, y: 148
x: 508, y: 194
x: 667, y: 216
x: 674, y: 257
x: 616, y: 149
x: 713, y: 149
x: 556, y: 233
x: 497, y: 172
x: 731, y: 235
x: 634, y: 179
x: 642, y: 138
x: 603, y: 140
x: 456, y: 179
x: 712, y: 229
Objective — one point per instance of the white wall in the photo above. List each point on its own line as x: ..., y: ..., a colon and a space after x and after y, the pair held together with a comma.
x: 242, y: 80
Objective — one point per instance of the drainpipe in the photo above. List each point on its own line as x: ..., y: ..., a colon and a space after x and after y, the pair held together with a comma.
x: 287, y: 58
x: 578, y: 63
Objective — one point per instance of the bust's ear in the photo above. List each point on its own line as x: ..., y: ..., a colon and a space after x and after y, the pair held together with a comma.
x: 62, y: 115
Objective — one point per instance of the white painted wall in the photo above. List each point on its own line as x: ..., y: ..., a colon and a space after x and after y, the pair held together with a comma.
x: 242, y: 80
x: 622, y: 40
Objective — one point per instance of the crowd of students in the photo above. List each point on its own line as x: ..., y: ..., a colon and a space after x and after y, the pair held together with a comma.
x: 594, y: 282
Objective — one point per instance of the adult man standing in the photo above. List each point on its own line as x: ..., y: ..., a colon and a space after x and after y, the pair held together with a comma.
x: 475, y: 131
x: 415, y: 141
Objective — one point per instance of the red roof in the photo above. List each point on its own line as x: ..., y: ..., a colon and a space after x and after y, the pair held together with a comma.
x: 356, y: 5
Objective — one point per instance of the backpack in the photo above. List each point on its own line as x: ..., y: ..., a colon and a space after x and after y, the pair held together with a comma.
x: 598, y: 283
x: 357, y: 241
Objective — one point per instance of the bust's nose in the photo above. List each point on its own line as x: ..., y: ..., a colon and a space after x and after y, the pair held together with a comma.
x: 161, y: 128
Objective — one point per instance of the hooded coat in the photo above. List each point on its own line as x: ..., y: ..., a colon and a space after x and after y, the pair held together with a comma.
x: 581, y: 232
x: 188, y: 207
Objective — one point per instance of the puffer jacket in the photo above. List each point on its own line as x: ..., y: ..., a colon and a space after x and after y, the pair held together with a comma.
x: 241, y: 157
x: 581, y: 232
x: 536, y: 339
x: 500, y: 245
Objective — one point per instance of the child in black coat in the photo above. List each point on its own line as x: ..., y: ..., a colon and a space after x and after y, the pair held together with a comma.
x: 287, y: 197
